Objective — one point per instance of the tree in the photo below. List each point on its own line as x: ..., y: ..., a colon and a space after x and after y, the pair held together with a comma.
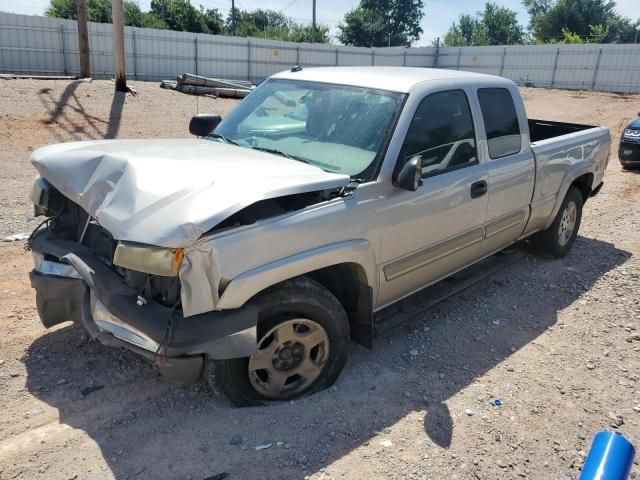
x: 501, y: 25
x: 591, y: 20
x: 461, y: 34
x: 273, y: 25
x: 494, y: 25
x: 381, y: 23
x: 100, y: 11
x: 181, y: 15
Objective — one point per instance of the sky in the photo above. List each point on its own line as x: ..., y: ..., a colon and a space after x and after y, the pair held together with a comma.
x: 439, y: 14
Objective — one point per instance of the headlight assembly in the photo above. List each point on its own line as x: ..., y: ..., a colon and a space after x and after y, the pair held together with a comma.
x: 46, y: 199
x: 149, y: 259
x: 632, y: 133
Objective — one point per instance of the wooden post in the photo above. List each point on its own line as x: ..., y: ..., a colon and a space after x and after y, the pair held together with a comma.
x: 118, y: 45
x: 313, y: 23
x: 233, y: 17
x: 83, y: 39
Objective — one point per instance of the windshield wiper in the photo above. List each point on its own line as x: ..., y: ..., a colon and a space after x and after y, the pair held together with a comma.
x: 282, y: 154
x: 223, y: 138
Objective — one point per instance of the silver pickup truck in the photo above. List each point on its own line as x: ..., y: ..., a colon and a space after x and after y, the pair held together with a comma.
x: 255, y: 253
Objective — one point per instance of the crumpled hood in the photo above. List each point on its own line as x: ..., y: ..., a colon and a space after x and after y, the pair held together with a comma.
x: 170, y: 192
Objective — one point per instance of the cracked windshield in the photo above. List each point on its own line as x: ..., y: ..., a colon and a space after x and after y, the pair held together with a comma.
x: 334, y: 127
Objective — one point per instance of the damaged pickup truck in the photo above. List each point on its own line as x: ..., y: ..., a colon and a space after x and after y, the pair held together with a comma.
x: 256, y: 252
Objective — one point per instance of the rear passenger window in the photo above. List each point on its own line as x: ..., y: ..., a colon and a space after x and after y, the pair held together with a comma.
x: 500, y: 121
x: 441, y: 132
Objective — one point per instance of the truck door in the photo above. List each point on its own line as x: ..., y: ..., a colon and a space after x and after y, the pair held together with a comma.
x: 510, y: 167
x: 430, y: 233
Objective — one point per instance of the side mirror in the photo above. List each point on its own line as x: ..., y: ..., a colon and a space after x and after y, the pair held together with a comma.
x: 204, y: 124
x: 409, y: 176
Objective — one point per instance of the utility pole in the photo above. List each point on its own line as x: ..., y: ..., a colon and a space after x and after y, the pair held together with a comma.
x: 118, y: 45
x: 313, y: 23
x: 83, y: 38
x: 233, y: 17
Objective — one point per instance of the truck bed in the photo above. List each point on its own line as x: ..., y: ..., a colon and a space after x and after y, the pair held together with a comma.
x: 545, y: 129
x: 563, y: 151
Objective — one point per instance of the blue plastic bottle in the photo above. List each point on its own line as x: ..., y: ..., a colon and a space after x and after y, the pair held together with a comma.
x: 610, y: 458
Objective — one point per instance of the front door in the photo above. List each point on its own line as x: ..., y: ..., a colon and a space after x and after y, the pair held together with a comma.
x: 437, y: 229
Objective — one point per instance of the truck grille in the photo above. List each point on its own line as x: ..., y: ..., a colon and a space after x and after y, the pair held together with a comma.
x: 71, y: 223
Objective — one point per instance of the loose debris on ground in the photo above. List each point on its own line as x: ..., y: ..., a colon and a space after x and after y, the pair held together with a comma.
x: 199, y: 85
x: 557, y: 342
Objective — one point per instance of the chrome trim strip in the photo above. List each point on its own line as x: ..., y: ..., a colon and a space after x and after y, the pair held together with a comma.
x: 49, y: 267
x: 107, y: 322
x: 432, y: 254
x: 500, y: 225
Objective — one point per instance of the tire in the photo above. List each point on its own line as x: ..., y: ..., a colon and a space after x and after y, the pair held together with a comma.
x: 305, y: 312
x: 557, y: 240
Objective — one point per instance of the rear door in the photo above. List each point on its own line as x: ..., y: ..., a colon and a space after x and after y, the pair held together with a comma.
x: 437, y: 229
x: 510, y: 166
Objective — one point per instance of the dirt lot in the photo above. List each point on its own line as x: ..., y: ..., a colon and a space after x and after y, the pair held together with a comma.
x: 556, y: 341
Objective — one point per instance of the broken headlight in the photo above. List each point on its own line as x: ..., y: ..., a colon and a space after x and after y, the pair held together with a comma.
x: 149, y: 259
x: 46, y: 199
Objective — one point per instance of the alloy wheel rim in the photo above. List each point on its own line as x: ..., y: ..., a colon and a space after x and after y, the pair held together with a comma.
x: 567, y: 223
x: 289, y: 358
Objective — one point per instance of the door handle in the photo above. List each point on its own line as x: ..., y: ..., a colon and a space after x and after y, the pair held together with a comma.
x: 478, y: 189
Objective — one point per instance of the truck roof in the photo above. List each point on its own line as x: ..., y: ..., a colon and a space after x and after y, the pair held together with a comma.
x: 396, y: 79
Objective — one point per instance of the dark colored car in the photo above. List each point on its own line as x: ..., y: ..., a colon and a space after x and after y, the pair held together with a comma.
x: 629, y: 151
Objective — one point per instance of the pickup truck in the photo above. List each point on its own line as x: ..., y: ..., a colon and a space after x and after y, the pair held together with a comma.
x: 254, y: 254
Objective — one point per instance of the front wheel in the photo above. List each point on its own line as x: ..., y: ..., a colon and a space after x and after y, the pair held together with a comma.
x: 303, y: 344
x: 557, y: 240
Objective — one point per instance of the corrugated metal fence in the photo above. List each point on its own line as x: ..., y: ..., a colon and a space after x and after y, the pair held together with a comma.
x: 48, y: 46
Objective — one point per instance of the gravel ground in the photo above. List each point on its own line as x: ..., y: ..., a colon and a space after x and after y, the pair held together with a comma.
x: 556, y: 341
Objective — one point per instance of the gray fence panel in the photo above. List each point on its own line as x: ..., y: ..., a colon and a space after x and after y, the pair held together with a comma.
x: 35, y: 45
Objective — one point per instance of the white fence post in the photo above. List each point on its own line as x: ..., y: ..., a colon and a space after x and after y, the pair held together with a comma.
x: 64, y: 51
x: 248, y: 59
x: 504, y: 54
x: 135, y: 56
x: 555, y: 67
x: 595, y: 72
x: 195, y: 54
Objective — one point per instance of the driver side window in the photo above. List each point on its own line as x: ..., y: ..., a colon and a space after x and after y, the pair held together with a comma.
x: 442, y: 133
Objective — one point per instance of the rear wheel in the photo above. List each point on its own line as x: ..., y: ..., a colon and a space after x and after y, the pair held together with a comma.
x: 557, y: 240
x: 303, y: 344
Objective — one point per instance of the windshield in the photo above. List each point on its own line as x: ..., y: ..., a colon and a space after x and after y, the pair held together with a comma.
x: 337, y: 128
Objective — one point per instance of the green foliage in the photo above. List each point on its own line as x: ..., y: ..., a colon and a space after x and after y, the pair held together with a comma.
x: 273, y: 25
x: 381, y: 23
x: 99, y: 11
x: 494, y: 25
x: 181, y: 15
x: 594, y: 21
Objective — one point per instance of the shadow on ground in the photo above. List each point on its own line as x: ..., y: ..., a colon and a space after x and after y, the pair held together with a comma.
x: 147, y: 428
x: 62, y: 126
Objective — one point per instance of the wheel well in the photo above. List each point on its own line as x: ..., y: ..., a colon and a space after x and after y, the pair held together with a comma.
x: 584, y: 183
x: 348, y: 283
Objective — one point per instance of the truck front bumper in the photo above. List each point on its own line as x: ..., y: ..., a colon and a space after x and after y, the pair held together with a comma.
x: 72, y: 284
